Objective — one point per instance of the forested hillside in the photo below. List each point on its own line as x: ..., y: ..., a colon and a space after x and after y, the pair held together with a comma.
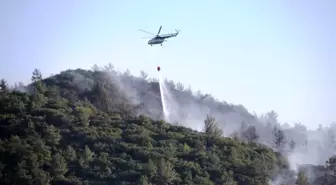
x: 101, y: 126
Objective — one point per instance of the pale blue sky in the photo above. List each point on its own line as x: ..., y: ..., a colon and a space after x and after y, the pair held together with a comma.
x: 264, y: 54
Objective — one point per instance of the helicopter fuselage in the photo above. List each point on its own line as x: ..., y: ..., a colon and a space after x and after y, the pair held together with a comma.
x: 156, y: 40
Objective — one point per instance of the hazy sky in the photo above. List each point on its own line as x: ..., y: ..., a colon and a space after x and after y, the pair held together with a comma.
x: 264, y: 54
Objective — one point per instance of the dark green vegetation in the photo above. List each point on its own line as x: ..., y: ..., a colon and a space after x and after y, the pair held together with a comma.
x: 59, y: 132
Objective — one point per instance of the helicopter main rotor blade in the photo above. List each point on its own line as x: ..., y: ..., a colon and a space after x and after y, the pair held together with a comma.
x: 159, y: 30
x: 147, y: 32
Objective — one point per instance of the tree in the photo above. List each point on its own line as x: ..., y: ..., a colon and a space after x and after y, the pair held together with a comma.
x: 279, y: 139
x: 127, y: 73
x: 211, y: 127
x: 59, y: 165
x: 271, y: 117
x: 40, y: 88
x: 3, y: 85
x: 95, y: 68
x: 52, y: 134
x: 331, y: 138
x: 144, y: 180
x: 109, y: 68
x: 292, y: 145
x: 250, y: 134
x: 150, y: 169
x: 302, y: 179
x: 37, y: 76
x: 331, y: 165
x: 40, y: 177
x: 86, y: 157
x: 143, y: 75
x: 180, y: 86
x: 166, y: 172
x: 88, y: 154
x: 101, y: 96
x: 70, y: 154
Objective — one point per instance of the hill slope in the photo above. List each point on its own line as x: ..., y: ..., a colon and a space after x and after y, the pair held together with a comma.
x: 85, y: 127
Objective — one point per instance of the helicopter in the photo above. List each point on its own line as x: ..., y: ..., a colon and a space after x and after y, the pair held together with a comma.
x: 159, y: 39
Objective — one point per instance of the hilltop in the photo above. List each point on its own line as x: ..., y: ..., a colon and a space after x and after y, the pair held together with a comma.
x: 101, y: 126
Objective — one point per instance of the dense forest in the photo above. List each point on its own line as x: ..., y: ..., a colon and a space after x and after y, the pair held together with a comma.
x: 102, y: 126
